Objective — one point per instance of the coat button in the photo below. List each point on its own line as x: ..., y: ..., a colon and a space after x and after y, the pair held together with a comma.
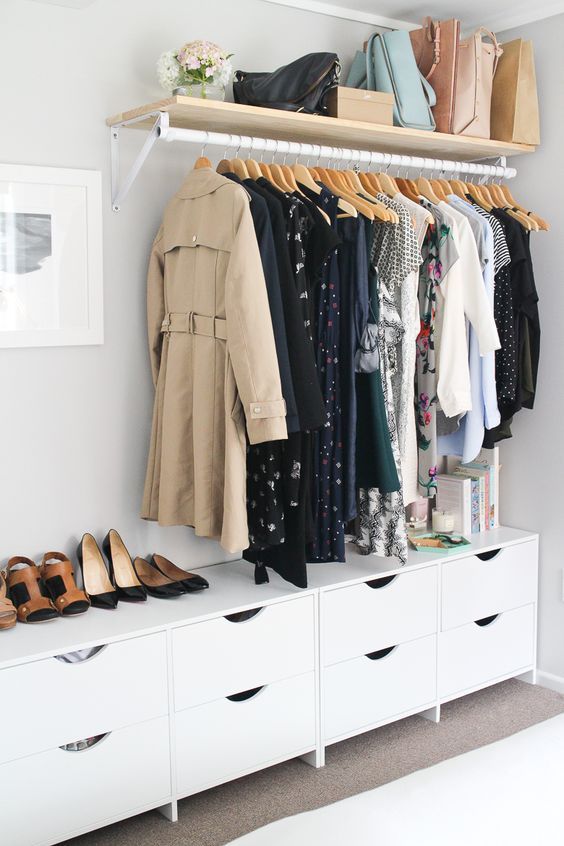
x: 257, y: 409
x: 194, y: 237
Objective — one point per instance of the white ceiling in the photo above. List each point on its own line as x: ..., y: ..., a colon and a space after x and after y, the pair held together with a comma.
x: 495, y: 14
x: 73, y: 4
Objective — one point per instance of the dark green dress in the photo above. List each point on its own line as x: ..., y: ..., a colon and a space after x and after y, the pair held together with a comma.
x: 375, y: 464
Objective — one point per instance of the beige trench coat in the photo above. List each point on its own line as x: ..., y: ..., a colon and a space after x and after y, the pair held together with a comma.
x: 213, y: 359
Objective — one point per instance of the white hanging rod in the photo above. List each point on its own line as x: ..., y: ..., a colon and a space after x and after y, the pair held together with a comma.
x: 162, y: 131
x: 316, y: 151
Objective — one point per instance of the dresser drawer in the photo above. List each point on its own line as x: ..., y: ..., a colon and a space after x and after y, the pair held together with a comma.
x: 367, y: 690
x: 480, y: 652
x: 51, y: 796
x: 222, y: 740
x: 218, y: 657
x: 363, y: 618
x: 54, y: 702
x: 478, y: 586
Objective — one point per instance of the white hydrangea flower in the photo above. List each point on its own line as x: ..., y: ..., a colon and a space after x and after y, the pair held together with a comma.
x: 168, y: 71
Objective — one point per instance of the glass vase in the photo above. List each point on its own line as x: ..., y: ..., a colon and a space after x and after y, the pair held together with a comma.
x: 203, y: 90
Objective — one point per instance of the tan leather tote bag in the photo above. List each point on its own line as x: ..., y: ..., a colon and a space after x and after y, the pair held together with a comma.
x: 435, y: 47
x: 477, y: 64
x: 515, y: 104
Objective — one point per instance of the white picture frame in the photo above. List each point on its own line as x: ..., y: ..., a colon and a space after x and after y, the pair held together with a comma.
x: 51, y: 263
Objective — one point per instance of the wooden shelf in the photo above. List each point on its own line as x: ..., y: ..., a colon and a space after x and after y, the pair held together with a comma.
x: 213, y: 116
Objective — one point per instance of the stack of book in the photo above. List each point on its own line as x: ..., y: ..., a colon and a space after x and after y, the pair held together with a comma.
x: 471, y: 493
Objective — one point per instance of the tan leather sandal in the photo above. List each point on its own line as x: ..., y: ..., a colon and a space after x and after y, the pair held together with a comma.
x: 28, y: 592
x: 8, y: 615
x: 57, y: 573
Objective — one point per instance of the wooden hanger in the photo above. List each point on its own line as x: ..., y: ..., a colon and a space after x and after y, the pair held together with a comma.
x: 253, y: 168
x: 496, y: 194
x: 303, y: 175
x: 446, y: 186
x: 202, y: 161
x: 239, y: 167
x: 379, y: 210
x: 439, y: 190
x: 346, y: 203
x: 224, y: 166
x: 409, y: 189
x: 425, y: 188
x: 541, y: 223
x: 388, y: 185
x: 362, y: 184
x: 459, y: 188
x: 477, y: 196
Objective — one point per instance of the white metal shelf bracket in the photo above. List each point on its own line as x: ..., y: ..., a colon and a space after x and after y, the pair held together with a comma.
x: 158, y: 130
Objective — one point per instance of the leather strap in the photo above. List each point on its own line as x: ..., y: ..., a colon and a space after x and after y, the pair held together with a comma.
x: 7, y: 607
x: 14, y: 577
x: 195, y: 324
x: 481, y: 31
x: 30, y: 576
x: 64, y: 569
x: 433, y: 29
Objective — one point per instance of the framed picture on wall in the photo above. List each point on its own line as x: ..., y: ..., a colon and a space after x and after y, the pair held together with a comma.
x: 51, y: 279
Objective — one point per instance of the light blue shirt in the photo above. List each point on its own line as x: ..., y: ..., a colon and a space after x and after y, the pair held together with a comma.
x: 467, y: 440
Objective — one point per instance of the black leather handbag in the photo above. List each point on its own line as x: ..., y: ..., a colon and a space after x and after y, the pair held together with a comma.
x: 301, y: 86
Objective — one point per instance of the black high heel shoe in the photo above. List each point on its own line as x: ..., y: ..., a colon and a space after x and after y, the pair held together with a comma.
x: 122, y: 574
x: 97, y: 584
x: 155, y: 582
x: 190, y: 581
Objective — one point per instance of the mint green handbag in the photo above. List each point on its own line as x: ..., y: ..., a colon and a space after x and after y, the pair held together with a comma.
x: 389, y: 65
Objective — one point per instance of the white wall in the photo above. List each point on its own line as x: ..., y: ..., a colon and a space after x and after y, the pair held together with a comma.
x: 74, y: 422
x: 533, y: 464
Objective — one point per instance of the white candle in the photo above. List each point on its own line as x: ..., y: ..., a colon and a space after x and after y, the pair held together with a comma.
x: 443, y: 521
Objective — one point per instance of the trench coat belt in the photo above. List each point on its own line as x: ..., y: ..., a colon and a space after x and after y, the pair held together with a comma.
x: 195, y: 324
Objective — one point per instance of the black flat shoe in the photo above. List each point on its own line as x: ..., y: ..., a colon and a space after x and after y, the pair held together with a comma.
x: 191, y: 582
x: 156, y: 584
x: 122, y: 574
x: 97, y: 584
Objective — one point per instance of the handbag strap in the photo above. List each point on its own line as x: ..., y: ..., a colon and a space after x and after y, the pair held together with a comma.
x: 498, y: 49
x: 428, y: 91
x: 433, y: 29
x: 370, y: 72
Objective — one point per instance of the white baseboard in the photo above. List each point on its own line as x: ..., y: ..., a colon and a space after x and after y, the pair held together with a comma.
x: 551, y: 681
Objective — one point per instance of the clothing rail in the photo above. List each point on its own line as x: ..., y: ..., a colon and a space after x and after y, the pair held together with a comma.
x: 314, y: 152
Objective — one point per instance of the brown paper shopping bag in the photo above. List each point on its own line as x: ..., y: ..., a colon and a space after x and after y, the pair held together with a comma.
x: 515, y: 107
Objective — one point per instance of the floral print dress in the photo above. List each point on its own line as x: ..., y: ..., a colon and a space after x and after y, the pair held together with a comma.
x: 439, y: 255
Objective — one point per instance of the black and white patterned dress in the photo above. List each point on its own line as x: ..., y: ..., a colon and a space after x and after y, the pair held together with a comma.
x: 395, y: 253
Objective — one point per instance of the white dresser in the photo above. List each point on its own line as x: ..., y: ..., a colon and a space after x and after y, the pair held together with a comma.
x: 192, y: 692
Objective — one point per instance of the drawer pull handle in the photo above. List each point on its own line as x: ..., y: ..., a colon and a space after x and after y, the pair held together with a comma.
x: 376, y: 584
x: 86, y: 744
x: 243, y: 616
x: 80, y: 656
x: 380, y: 653
x: 245, y: 694
x: 487, y: 556
x: 486, y: 621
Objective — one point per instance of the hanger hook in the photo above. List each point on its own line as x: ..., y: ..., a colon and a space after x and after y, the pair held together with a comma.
x: 274, y: 152
x: 229, y: 144
x: 204, y: 144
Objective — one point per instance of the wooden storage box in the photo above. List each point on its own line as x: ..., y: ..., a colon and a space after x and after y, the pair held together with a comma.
x: 358, y: 104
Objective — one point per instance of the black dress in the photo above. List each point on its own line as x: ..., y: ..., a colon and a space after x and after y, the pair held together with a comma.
x: 288, y: 469
x: 526, y: 326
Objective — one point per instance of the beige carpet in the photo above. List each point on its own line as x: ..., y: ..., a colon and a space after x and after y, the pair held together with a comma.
x: 218, y: 816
